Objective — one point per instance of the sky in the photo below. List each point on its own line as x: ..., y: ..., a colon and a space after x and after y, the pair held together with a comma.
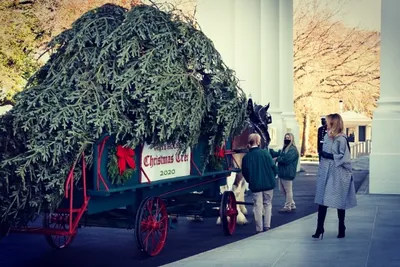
x: 364, y: 14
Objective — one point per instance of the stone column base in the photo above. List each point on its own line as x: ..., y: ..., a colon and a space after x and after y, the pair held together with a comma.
x: 385, y: 148
x: 384, y: 176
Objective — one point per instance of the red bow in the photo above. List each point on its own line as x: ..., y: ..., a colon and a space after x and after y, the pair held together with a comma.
x: 219, y: 152
x: 125, y: 155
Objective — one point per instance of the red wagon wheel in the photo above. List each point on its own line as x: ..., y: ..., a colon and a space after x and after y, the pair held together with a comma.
x: 228, y: 212
x: 151, y: 227
x: 58, y: 221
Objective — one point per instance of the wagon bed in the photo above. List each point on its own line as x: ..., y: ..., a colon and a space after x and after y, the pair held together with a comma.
x: 144, y: 202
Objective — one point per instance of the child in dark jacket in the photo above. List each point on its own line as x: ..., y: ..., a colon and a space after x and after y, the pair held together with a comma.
x: 287, y: 159
x: 259, y: 170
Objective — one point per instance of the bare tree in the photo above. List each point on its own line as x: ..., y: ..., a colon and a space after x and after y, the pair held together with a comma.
x: 331, y: 62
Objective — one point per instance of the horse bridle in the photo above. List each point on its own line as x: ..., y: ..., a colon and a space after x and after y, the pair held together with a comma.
x: 259, y: 119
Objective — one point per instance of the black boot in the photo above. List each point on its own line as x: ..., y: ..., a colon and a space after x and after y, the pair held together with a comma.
x: 320, y: 224
x: 342, y: 228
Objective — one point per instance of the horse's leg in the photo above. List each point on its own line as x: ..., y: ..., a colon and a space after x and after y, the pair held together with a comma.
x: 228, y: 185
x: 230, y: 180
x: 239, y: 192
x: 222, y: 189
x: 242, y: 207
x: 241, y: 219
x: 240, y: 180
x: 238, y: 187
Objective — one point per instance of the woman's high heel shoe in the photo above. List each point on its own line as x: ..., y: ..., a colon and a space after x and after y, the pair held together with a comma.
x: 320, y: 223
x: 342, y: 231
x: 342, y: 228
x: 319, y: 232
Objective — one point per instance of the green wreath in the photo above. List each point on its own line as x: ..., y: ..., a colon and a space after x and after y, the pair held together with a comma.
x: 216, y: 161
x: 113, y: 170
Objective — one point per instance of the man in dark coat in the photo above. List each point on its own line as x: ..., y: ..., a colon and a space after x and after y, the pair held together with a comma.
x: 321, y: 134
x: 259, y: 171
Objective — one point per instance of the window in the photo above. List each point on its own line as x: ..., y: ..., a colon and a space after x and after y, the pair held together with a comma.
x: 350, y: 132
x: 362, y: 133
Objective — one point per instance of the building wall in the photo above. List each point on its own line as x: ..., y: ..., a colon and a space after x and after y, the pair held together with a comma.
x: 255, y: 38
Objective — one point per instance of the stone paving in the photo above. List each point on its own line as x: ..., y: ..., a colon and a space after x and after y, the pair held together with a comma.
x: 372, y: 234
x: 361, y: 163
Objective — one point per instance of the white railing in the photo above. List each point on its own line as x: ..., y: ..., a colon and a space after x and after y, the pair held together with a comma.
x: 360, y: 149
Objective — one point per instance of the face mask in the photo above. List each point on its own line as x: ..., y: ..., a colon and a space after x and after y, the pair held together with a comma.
x: 287, y: 142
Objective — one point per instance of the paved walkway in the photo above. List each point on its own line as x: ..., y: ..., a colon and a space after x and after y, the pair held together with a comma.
x: 373, y: 231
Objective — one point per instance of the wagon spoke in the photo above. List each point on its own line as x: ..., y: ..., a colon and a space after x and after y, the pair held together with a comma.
x: 158, y: 209
x: 146, y: 239
x: 153, y: 240
x: 152, y: 221
x: 158, y: 232
x: 57, y: 221
x: 144, y: 226
x: 150, y: 207
x: 228, y: 212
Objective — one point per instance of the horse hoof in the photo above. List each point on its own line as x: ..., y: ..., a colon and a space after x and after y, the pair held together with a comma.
x: 243, y: 210
x: 173, y: 218
x: 195, y: 219
x: 241, y: 219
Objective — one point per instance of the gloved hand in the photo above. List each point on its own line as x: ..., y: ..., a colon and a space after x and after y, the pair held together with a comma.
x: 326, y: 155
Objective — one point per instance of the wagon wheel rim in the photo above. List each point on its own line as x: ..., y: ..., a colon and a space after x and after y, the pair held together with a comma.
x: 229, y: 212
x: 58, y: 221
x: 153, y: 226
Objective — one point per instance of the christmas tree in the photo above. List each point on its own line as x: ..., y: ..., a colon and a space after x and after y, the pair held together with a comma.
x: 143, y: 75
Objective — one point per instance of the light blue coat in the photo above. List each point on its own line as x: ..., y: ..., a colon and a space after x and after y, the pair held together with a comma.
x: 335, y: 183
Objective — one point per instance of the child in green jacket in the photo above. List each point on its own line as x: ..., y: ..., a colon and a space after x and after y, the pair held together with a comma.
x: 287, y: 159
x: 259, y: 170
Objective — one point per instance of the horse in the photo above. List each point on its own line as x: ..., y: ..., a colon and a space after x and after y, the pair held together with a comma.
x: 257, y: 121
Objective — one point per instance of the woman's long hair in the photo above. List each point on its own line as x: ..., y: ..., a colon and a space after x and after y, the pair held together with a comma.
x: 335, y: 124
x: 292, y: 143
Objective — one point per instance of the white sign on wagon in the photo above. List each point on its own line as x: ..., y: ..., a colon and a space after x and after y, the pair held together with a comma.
x: 164, y: 163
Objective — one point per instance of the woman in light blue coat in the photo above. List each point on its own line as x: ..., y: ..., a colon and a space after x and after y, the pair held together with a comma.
x: 335, y: 184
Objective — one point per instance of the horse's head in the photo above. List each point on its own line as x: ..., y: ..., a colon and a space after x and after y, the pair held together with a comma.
x: 263, y: 114
x: 258, y: 120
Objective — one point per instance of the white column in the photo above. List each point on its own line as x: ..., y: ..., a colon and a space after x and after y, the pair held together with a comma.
x: 286, y: 75
x: 368, y: 132
x: 247, y: 46
x: 216, y: 19
x: 269, y: 55
x: 385, y: 154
